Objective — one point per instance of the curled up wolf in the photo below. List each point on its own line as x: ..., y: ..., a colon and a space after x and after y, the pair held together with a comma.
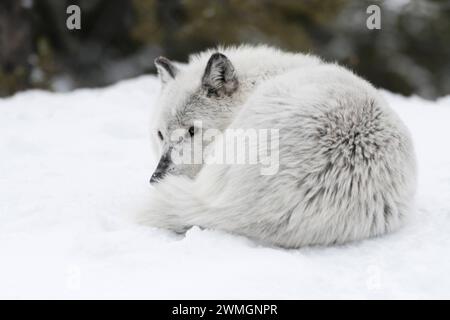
x: 338, y: 164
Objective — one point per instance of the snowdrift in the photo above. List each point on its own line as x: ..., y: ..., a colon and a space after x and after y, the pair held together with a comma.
x: 75, y: 166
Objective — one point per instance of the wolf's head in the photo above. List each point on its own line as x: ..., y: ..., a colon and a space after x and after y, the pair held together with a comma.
x: 204, y: 93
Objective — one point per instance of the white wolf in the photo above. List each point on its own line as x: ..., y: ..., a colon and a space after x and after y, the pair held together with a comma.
x: 346, y: 161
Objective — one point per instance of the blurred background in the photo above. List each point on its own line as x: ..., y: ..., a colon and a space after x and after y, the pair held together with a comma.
x: 120, y: 38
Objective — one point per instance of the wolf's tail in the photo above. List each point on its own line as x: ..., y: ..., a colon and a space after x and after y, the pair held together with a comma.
x: 178, y: 203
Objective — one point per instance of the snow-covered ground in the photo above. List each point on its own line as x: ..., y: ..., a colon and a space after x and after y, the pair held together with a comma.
x: 74, y: 168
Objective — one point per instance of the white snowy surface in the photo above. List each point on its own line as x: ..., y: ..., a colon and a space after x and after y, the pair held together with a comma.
x: 74, y: 168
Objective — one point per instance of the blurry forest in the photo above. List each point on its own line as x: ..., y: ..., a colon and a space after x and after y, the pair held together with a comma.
x: 120, y: 38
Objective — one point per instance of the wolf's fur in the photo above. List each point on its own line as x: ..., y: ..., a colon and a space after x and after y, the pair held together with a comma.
x: 347, y: 165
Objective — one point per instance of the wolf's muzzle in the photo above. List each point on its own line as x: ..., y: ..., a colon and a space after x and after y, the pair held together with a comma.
x: 161, y: 169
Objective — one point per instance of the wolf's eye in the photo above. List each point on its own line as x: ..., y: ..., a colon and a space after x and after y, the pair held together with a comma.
x: 160, y: 135
x: 191, y: 131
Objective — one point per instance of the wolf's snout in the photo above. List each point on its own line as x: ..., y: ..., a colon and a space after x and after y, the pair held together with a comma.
x: 156, y: 176
x: 161, y: 169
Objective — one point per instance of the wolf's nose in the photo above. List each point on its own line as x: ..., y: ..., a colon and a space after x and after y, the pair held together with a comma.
x: 156, y: 177
x: 161, y: 168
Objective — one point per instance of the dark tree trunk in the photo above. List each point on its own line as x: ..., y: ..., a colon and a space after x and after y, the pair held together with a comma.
x: 15, y: 47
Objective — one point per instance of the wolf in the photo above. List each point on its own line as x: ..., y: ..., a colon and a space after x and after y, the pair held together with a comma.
x: 347, y: 168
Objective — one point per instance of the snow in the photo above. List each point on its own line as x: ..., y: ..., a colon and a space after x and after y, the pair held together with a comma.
x: 74, y: 167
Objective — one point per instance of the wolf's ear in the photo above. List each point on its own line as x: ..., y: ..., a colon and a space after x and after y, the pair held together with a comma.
x: 219, y: 77
x: 166, y: 69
